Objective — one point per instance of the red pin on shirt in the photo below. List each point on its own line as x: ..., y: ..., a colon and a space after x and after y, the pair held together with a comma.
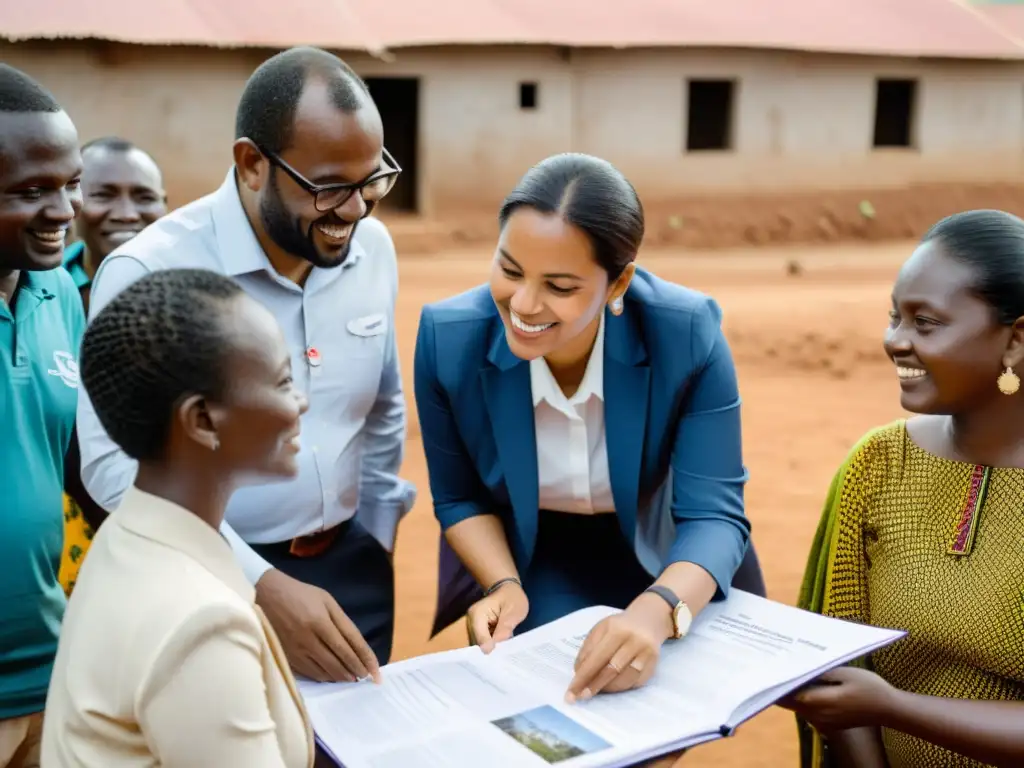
x: 313, y: 357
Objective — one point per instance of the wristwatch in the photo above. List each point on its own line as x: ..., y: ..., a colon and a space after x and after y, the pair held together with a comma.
x: 682, y: 618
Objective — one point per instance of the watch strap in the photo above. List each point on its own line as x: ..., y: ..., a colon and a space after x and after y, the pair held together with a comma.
x: 665, y: 594
x: 673, y: 601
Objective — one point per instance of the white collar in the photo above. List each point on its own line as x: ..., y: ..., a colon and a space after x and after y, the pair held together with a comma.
x: 544, y: 386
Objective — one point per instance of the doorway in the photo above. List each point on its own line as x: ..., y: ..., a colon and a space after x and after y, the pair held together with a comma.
x: 398, y: 100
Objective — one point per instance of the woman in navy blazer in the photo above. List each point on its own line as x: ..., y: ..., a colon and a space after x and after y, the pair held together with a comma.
x: 581, y: 423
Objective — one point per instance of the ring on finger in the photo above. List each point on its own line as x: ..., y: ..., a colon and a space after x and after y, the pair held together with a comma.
x: 614, y: 666
x: 636, y: 665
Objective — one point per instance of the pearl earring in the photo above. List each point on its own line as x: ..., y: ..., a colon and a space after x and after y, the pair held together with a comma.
x: 617, y: 306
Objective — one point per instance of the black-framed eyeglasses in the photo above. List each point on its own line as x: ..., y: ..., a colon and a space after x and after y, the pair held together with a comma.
x: 327, y: 197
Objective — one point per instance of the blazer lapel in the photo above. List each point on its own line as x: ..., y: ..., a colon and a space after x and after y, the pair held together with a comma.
x: 507, y: 392
x: 626, y: 394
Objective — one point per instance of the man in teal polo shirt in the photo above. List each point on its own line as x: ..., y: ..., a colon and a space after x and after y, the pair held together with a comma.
x: 41, y: 326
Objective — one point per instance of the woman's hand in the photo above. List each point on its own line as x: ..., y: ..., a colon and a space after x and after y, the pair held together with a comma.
x: 621, y: 651
x: 494, y: 618
x: 842, y: 699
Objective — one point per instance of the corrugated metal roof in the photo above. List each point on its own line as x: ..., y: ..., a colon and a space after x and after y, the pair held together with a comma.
x: 933, y: 28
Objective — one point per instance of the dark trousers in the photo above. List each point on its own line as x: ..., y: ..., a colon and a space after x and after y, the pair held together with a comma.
x: 457, y: 590
x: 584, y: 560
x: 356, y: 571
x: 579, y: 561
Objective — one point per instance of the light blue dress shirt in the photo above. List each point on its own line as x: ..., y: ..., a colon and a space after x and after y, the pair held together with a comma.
x: 353, y: 435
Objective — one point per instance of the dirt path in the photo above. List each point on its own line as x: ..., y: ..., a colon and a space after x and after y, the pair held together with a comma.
x: 813, y: 379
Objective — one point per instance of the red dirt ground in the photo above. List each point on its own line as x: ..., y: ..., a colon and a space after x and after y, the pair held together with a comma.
x: 805, y: 324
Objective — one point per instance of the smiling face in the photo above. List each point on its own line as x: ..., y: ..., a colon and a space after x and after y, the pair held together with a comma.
x: 40, y: 188
x: 549, y: 290
x: 945, y: 341
x: 328, y: 146
x: 122, y: 194
x: 258, y: 420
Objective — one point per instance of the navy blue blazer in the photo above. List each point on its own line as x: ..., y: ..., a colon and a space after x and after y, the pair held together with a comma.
x: 672, y: 423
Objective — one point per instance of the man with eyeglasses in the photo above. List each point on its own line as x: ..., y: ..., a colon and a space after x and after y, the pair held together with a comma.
x: 290, y: 225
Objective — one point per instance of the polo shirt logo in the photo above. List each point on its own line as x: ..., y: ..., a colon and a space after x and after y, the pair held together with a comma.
x: 67, y: 368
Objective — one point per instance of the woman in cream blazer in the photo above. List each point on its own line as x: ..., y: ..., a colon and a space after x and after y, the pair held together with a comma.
x: 164, y: 659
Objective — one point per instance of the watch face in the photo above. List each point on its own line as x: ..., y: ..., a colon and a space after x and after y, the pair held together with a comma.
x: 683, y: 619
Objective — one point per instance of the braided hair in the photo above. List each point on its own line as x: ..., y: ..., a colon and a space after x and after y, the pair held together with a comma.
x: 158, y: 341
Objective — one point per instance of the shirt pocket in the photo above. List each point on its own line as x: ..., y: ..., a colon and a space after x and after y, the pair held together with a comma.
x: 367, y: 335
x: 352, y: 361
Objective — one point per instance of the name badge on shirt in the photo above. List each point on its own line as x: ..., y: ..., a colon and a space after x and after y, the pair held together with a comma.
x: 371, y: 325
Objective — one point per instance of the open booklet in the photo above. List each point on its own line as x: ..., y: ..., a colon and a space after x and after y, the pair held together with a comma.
x: 460, y: 708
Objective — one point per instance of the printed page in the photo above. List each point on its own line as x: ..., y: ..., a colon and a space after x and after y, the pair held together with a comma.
x: 673, y: 704
x: 450, y: 708
x: 802, y: 645
x: 740, y: 656
x: 453, y: 710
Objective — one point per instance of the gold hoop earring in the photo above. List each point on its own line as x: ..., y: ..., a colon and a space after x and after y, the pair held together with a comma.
x: 616, y: 306
x: 1008, y: 382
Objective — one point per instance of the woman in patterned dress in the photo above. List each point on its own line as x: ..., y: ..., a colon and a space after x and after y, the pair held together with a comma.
x: 923, y: 529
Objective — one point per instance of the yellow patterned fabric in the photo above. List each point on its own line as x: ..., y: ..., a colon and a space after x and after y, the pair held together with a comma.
x: 77, y: 538
x: 882, y: 556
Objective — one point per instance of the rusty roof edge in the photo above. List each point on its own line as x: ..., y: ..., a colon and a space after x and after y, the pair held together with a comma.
x: 1014, y: 54
x: 385, y: 51
x: 174, y: 42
